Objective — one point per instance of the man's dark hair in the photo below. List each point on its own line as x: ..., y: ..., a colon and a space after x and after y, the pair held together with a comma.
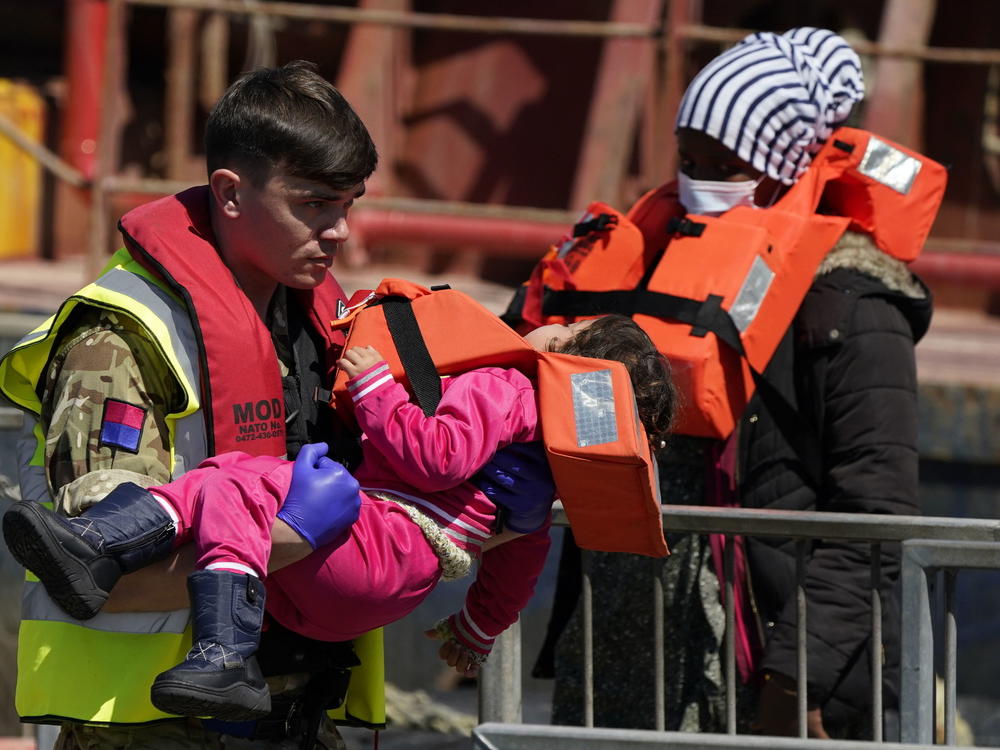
x: 620, y: 338
x: 290, y: 118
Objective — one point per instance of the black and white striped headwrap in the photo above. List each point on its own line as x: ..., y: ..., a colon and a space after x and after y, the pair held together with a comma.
x: 774, y: 98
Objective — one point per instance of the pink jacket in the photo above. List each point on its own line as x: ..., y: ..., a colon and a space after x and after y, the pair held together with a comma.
x: 429, y: 460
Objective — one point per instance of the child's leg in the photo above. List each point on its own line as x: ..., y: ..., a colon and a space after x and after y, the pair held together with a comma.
x: 80, y: 559
x: 227, y: 512
x: 226, y: 507
x: 220, y: 676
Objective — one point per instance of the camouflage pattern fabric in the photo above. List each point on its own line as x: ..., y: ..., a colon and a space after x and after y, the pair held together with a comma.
x: 169, y: 735
x: 104, y: 355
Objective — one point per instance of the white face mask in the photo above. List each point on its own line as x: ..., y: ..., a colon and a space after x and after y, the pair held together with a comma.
x: 714, y: 197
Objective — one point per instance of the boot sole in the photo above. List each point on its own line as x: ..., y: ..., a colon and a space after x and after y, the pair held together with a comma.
x: 68, y: 581
x: 235, y: 703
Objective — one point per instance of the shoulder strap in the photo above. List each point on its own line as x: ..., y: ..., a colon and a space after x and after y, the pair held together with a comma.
x: 703, y: 316
x: 412, y: 350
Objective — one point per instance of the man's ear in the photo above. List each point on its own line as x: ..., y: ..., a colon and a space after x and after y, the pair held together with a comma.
x: 225, y: 187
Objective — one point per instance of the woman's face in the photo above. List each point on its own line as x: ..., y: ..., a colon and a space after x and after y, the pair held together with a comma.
x: 704, y: 158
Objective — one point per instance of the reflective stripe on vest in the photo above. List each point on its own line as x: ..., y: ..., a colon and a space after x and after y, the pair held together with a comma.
x: 112, y: 649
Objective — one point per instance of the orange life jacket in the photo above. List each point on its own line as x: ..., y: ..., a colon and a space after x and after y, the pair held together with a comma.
x: 717, y: 295
x: 600, y: 458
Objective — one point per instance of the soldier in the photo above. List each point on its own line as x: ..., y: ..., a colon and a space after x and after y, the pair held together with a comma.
x: 208, y: 332
x: 205, y: 333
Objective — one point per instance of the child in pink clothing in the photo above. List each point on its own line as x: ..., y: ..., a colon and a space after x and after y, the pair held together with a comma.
x: 420, y: 520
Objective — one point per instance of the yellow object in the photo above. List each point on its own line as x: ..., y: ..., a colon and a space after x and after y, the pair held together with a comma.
x: 20, y: 173
x: 99, y: 671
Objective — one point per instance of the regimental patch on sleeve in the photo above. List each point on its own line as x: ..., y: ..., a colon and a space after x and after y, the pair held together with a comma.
x: 121, y: 425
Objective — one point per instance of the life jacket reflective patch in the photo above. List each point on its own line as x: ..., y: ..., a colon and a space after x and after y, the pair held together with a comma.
x: 716, y: 295
x: 598, y: 451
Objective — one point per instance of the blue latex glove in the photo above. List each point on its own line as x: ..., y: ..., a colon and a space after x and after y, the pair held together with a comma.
x: 323, y: 498
x: 519, y: 479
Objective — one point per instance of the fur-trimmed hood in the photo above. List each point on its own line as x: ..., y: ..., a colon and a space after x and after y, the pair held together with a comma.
x: 856, y: 266
x: 858, y: 251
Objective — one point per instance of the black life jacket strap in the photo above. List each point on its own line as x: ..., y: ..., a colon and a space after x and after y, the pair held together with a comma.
x: 703, y: 316
x: 413, y: 354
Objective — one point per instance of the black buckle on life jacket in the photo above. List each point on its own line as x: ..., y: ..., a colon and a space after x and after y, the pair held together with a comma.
x: 683, y: 226
x: 706, y: 315
x: 843, y: 145
x: 598, y: 224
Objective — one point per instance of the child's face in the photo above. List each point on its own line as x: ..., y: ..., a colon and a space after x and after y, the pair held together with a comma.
x: 554, y: 336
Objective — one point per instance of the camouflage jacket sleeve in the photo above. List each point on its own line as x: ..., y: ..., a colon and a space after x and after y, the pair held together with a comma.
x: 106, y: 393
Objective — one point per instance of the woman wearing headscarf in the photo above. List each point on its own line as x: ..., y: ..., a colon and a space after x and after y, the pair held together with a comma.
x: 748, y: 127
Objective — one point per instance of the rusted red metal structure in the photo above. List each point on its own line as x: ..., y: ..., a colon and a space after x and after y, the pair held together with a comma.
x: 477, y: 116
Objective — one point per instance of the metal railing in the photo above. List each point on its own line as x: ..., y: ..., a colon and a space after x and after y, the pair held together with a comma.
x: 929, y: 543
x: 538, y: 737
x: 923, y: 562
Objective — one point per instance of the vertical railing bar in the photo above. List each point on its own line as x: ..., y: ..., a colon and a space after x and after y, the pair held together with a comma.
x: 730, y: 634
x: 801, y: 681
x: 500, y: 688
x: 877, y: 707
x: 916, y: 648
x: 588, y: 641
x: 950, y: 658
x: 659, y: 662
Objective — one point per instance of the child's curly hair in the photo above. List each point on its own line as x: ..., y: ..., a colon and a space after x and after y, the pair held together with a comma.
x: 618, y: 337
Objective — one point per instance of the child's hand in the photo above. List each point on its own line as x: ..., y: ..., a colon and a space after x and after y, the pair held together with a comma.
x: 357, y: 359
x: 465, y: 661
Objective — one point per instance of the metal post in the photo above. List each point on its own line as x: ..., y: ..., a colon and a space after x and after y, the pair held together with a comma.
x: 500, y: 680
x: 950, y: 658
x: 681, y: 14
x: 916, y: 697
x: 877, y: 710
x: 214, y: 59
x: 729, y: 560
x: 659, y: 663
x: 801, y: 681
x: 896, y: 105
x: 180, y: 94
x: 587, y: 593
x: 618, y: 95
x: 107, y: 142
x: 86, y: 24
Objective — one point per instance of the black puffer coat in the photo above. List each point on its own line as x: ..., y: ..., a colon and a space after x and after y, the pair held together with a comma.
x: 848, y: 365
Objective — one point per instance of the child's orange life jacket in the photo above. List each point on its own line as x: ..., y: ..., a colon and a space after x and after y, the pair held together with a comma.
x: 717, y: 295
x: 604, y: 472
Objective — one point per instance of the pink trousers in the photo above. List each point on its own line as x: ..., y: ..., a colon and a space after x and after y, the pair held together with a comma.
x: 373, y: 574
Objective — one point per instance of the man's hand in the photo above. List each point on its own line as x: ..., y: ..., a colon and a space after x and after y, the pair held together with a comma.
x: 519, y: 479
x: 777, y: 710
x: 357, y: 359
x: 323, y: 499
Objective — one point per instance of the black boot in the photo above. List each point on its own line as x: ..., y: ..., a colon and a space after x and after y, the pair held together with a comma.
x: 220, y: 676
x: 80, y: 559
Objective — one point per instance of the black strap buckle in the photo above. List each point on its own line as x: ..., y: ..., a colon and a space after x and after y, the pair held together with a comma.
x: 598, y: 224
x: 683, y: 226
